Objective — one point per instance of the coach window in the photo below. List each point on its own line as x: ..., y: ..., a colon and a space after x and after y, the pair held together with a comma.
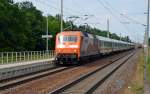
x: 102, y: 44
x: 110, y: 44
x: 105, y: 44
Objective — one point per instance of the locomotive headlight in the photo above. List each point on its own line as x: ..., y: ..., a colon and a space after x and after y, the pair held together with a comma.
x: 58, y: 50
x: 75, y: 50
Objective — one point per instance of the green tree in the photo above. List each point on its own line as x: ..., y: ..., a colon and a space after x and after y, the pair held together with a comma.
x: 22, y: 25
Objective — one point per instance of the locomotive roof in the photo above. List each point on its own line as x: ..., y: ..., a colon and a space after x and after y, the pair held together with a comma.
x: 100, y: 37
x: 111, y: 40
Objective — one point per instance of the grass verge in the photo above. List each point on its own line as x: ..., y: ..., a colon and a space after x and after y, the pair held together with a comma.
x: 148, y: 70
x: 136, y: 85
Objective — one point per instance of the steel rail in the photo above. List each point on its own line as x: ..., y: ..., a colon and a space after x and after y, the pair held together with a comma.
x: 26, y: 78
x: 81, y: 78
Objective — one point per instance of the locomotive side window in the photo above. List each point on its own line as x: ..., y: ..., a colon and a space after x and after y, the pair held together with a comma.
x: 60, y: 38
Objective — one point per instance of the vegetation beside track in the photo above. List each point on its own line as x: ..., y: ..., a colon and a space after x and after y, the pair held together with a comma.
x: 148, y: 70
x: 22, y: 26
x: 136, y: 85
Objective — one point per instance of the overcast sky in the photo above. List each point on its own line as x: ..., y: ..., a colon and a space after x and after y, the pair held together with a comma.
x: 102, y: 10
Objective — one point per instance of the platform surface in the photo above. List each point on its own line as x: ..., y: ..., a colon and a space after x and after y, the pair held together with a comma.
x: 24, y: 63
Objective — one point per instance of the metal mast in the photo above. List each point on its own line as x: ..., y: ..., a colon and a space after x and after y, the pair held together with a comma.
x: 61, y: 15
x: 147, y: 33
x: 47, y: 34
x: 108, y: 28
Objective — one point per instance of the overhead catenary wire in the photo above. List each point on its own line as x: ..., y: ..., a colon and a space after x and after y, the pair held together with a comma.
x: 122, y: 15
x: 112, y: 13
x: 79, y: 7
x: 86, y: 12
x: 66, y: 9
x: 50, y: 6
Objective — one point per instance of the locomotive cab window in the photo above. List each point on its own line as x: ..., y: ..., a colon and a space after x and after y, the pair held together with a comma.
x: 67, y: 38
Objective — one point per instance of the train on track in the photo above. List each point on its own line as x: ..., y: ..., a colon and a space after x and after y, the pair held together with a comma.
x: 75, y: 46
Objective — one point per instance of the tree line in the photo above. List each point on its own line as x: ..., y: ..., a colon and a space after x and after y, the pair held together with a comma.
x: 22, y: 25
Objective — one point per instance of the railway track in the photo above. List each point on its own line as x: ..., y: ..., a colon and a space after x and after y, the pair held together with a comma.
x: 5, y: 84
x: 51, y: 75
x: 87, y: 84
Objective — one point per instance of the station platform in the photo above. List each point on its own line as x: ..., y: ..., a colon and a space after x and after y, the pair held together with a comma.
x: 4, y: 66
x: 18, y: 69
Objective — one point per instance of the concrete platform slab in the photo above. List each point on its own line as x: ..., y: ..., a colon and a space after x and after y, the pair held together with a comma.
x: 18, y: 69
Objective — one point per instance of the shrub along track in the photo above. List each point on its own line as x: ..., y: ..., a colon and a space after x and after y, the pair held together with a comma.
x: 51, y: 82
